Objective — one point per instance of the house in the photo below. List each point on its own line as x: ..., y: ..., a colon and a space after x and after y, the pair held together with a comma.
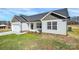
x: 5, y: 24
x: 49, y: 22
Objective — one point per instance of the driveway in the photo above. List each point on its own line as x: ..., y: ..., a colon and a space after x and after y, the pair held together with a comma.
x: 6, y: 33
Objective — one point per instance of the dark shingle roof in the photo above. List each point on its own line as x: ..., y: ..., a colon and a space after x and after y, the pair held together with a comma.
x: 34, y: 17
x: 37, y: 17
x: 63, y: 12
x: 18, y: 19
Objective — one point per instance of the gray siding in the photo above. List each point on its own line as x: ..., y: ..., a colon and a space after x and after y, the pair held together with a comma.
x: 50, y: 17
x: 15, y: 20
x: 18, y: 19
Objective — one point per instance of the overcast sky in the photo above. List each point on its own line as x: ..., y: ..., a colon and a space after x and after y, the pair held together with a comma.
x: 8, y: 13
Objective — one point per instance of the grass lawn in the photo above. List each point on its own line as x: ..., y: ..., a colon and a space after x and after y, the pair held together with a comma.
x: 5, y: 30
x: 75, y: 34
x: 75, y: 31
x: 35, y: 41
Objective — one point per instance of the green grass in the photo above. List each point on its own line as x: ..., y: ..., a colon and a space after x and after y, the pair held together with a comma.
x: 75, y: 35
x: 60, y: 45
x: 16, y: 41
x: 31, y: 41
x: 5, y: 30
x: 75, y: 32
x: 34, y: 41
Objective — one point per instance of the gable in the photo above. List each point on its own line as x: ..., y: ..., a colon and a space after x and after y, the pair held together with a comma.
x: 18, y: 19
x: 53, y: 17
x: 57, y: 14
x: 15, y: 20
x: 63, y: 12
x: 34, y: 17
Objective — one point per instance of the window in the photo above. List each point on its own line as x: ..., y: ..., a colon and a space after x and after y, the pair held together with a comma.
x: 32, y: 25
x: 54, y: 25
x: 38, y: 25
x: 49, y: 25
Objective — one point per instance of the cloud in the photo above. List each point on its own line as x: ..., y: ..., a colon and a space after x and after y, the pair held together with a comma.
x: 8, y: 13
x: 17, y: 11
x: 73, y: 12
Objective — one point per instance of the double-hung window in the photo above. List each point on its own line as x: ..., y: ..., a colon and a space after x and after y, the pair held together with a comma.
x: 39, y: 25
x: 49, y: 25
x: 52, y: 25
x: 32, y: 25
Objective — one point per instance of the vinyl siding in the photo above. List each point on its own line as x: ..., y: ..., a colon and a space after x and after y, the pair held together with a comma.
x: 16, y: 27
x: 24, y: 26
x: 49, y: 17
x: 61, y: 27
x: 34, y: 28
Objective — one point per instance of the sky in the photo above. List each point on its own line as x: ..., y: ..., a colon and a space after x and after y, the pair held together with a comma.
x: 8, y: 13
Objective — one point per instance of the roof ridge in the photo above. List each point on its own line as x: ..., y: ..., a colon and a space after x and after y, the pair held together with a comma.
x: 45, y: 12
x: 35, y: 14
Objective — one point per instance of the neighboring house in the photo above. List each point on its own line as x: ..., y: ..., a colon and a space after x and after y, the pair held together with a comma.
x: 5, y: 24
x: 50, y: 22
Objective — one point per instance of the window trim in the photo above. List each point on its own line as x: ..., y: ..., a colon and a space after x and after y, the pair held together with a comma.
x: 32, y: 24
x: 54, y: 26
x: 39, y: 26
x: 51, y: 25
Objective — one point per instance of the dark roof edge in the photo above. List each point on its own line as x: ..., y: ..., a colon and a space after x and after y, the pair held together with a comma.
x: 15, y: 18
x: 23, y: 18
x: 61, y: 14
x: 44, y: 15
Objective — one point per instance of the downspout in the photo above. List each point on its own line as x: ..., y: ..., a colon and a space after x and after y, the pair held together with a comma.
x: 41, y: 26
x: 21, y: 27
x: 67, y: 26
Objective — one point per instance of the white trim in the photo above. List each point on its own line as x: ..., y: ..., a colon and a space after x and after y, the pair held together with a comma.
x: 46, y: 15
x: 54, y: 13
x: 59, y: 14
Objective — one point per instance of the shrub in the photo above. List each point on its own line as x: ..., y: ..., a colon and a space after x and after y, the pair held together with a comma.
x: 69, y: 28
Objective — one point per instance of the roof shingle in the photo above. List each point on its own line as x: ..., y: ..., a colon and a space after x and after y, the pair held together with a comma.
x: 38, y: 17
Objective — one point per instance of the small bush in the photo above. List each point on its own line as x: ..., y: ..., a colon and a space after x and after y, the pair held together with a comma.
x: 69, y: 28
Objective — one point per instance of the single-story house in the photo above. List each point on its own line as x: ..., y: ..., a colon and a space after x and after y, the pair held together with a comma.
x: 5, y: 24
x: 49, y: 22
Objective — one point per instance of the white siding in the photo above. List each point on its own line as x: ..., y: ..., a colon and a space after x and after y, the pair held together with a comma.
x: 61, y: 27
x: 16, y: 27
x: 24, y: 26
x: 34, y: 28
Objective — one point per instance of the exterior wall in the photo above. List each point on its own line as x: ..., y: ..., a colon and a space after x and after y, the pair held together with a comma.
x: 15, y: 27
x: 49, y: 17
x: 34, y: 28
x: 61, y: 27
x: 24, y: 26
x: 18, y: 27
